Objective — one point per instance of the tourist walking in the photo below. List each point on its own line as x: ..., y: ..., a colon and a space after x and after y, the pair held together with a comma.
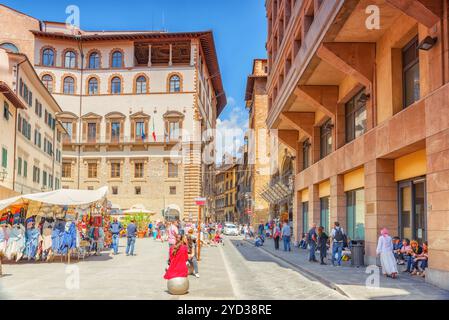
x: 246, y: 232
x: 312, y: 238
x: 131, y: 231
x: 286, y: 233
x: 181, y: 226
x: 115, y: 228
x: 172, y: 233
x: 276, y: 236
x: 191, y: 241
x: 260, y: 228
x: 322, y: 244
x: 150, y: 229
x: 338, y: 239
x: 385, y: 250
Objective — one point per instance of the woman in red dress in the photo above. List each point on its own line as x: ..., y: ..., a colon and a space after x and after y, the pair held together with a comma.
x: 178, y: 260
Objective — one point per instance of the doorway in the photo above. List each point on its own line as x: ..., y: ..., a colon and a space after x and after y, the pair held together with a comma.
x: 412, y: 209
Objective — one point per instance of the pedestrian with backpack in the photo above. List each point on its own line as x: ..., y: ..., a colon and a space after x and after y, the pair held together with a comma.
x: 338, y: 240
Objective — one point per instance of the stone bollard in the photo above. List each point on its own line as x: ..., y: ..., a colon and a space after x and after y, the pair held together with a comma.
x: 178, y: 286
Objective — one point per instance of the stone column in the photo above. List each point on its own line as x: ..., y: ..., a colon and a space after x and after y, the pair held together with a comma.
x: 438, y: 208
x: 340, y: 127
x: 170, y: 62
x: 297, y: 216
x: 316, y: 145
x: 381, y: 203
x: 299, y: 157
x: 192, y: 53
x: 314, y: 205
x: 149, y: 55
x: 338, y: 201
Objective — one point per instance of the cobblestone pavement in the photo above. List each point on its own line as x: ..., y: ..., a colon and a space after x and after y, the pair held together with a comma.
x: 229, y: 272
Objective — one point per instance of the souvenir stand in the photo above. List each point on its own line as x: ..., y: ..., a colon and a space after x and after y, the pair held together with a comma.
x: 42, y: 226
x: 106, y: 224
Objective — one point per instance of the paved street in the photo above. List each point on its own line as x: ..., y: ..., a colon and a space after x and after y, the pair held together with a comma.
x: 228, y: 272
x: 352, y: 281
x: 236, y: 270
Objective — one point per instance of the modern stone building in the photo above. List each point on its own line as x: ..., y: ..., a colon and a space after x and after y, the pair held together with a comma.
x: 359, y: 89
x: 135, y: 106
x: 31, y: 139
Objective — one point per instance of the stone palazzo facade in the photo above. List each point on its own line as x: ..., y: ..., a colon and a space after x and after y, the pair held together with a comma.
x: 137, y: 107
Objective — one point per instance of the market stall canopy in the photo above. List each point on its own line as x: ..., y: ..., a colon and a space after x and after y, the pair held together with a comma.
x: 61, y: 197
x: 136, y: 209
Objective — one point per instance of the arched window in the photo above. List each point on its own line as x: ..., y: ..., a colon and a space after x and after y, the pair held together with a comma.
x: 175, y: 83
x: 92, y: 86
x: 47, y: 80
x: 117, y: 59
x: 94, y: 60
x: 116, y: 85
x: 141, y: 85
x: 70, y: 60
x: 48, y: 57
x: 69, y: 85
x: 9, y: 46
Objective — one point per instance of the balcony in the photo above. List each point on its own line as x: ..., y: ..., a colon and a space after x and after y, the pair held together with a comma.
x: 288, y: 67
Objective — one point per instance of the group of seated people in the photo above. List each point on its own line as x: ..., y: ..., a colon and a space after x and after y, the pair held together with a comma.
x: 212, y: 237
x: 411, y: 254
x: 260, y: 239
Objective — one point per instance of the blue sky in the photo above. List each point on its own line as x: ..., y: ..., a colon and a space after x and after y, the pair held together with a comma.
x: 239, y: 28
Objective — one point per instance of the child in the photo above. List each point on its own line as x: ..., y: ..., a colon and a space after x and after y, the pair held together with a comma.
x: 303, y: 242
x: 397, y: 245
x: 404, y: 251
x: 217, y: 239
x: 259, y: 241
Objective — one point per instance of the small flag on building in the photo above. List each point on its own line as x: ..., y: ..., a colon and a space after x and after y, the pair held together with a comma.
x: 154, y: 132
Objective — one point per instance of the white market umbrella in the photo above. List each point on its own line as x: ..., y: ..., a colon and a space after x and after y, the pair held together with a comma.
x: 138, y: 209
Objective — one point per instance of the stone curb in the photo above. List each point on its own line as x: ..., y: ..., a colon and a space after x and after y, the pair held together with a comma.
x: 330, y: 284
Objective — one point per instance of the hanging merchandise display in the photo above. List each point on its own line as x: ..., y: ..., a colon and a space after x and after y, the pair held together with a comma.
x: 4, y: 236
x: 16, y: 243
x: 39, y: 227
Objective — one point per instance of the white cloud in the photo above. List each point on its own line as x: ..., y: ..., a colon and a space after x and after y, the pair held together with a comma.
x: 231, y: 131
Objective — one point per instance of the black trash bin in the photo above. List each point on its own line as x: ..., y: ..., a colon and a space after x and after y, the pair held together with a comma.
x: 358, y: 253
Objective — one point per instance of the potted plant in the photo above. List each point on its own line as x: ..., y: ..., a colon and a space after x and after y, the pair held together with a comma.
x: 142, y: 221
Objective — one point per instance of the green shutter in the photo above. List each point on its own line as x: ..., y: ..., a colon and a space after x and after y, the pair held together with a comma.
x: 4, y: 158
x: 19, y: 166
x: 25, y: 169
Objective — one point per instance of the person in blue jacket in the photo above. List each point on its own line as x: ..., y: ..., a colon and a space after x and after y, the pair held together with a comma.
x: 115, y: 228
